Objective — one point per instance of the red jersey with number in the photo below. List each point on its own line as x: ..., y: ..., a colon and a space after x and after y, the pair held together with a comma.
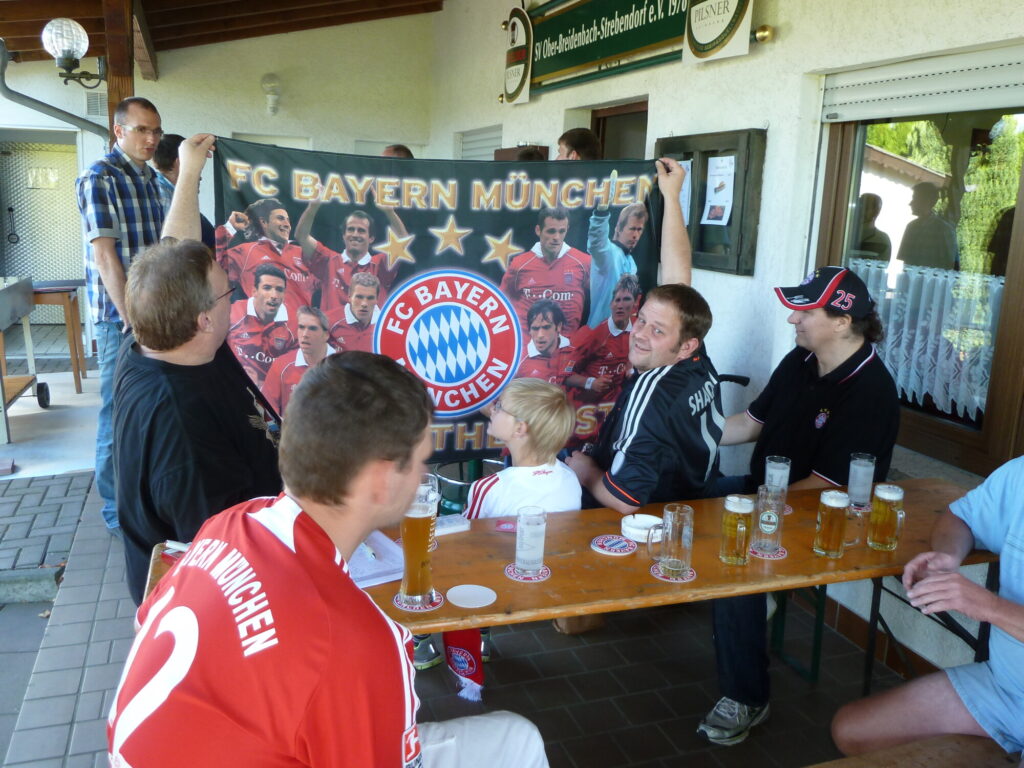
x: 347, y: 333
x: 554, y: 369
x: 242, y: 261
x: 257, y: 649
x: 566, y: 281
x: 284, y: 376
x: 338, y: 269
x: 257, y: 344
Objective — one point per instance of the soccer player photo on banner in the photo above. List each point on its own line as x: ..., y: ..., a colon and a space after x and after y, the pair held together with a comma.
x: 470, y: 274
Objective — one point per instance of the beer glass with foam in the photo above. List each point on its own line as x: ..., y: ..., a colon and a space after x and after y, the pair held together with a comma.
x: 887, y: 515
x: 419, y: 521
x: 737, y: 528
x: 831, y: 530
x: 674, y: 539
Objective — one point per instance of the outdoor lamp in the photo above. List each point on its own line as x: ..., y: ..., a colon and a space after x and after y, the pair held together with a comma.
x: 271, y: 85
x: 67, y: 41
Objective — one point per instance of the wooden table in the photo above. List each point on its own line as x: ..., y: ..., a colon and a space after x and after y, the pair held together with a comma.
x: 584, y: 582
x: 64, y: 294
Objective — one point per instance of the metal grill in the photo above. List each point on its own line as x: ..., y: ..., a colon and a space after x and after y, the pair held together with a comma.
x: 38, y: 180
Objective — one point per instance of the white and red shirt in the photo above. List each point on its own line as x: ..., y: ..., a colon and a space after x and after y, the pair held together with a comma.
x: 258, y: 649
x: 284, y: 375
x: 242, y: 261
x: 552, y: 487
x: 348, y: 333
x: 338, y: 269
x: 565, y: 281
x: 555, y: 369
x: 257, y: 344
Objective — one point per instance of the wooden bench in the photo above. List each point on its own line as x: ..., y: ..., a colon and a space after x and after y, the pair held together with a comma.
x: 950, y: 751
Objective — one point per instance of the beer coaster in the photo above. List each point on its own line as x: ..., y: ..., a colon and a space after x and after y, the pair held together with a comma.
x: 471, y: 596
x: 513, y: 573
x: 690, y: 575
x: 613, y: 544
x: 788, y: 510
x: 437, y: 602
x: 506, y: 526
x: 779, y: 555
x: 431, y: 548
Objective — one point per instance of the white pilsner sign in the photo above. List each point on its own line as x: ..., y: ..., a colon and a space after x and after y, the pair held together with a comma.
x: 717, y: 29
x: 517, y: 57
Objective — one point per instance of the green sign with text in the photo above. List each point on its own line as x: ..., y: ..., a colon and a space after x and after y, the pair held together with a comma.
x: 593, y: 32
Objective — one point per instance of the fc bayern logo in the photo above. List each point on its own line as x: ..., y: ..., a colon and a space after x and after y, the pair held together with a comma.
x: 457, y: 332
x: 461, y: 661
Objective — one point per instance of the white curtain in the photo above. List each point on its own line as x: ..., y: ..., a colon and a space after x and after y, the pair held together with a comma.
x: 940, y: 329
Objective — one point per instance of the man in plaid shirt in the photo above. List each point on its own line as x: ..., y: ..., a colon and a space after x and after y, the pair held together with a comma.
x: 119, y: 199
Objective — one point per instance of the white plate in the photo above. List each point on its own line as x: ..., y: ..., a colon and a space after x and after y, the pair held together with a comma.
x: 471, y: 596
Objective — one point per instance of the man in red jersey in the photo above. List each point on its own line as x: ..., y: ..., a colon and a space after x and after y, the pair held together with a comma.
x: 260, y: 329
x: 601, y: 362
x: 549, y: 354
x: 351, y: 326
x: 337, y: 269
x: 260, y: 645
x: 287, y: 370
x: 550, y: 270
x: 267, y: 226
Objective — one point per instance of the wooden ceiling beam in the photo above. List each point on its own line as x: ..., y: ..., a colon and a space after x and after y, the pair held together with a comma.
x: 37, y: 10
x: 20, y: 56
x: 226, y: 9
x: 35, y: 43
x: 117, y: 19
x: 233, y: 22
x: 163, y: 44
x: 13, y: 29
x: 145, y: 53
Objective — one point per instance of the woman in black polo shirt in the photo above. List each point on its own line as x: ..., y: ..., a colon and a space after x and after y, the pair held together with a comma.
x: 830, y: 397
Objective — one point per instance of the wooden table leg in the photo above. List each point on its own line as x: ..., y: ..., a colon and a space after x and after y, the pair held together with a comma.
x: 76, y: 318
x: 72, y: 345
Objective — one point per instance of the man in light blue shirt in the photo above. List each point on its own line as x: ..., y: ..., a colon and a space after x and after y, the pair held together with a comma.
x: 611, y: 256
x: 985, y: 698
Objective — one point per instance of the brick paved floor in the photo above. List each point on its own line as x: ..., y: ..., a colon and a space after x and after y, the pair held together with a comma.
x: 38, y: 519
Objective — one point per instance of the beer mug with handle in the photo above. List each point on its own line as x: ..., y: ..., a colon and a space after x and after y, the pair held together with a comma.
x: 670, y: 542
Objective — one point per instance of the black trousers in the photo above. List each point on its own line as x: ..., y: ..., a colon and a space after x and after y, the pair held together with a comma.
x: 741, y: 645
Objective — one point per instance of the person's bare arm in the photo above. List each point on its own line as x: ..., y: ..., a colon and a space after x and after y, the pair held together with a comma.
x: 183, y: 220
x: 592, y: 478
x: 740, y: 428
x: 676, y: 253
x: 601, y: 384
x: 111, y: 270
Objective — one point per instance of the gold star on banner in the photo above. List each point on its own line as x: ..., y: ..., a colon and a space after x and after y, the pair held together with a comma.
x: 501, y: 249
x: 449, y: 236
x: 397, y: 249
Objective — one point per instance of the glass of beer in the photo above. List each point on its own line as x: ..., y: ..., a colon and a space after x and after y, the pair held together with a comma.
x: 674, y: 539
x: 417, y: 582
x: 831, y: 530
x: 737, y: 528
x: 887, y: 516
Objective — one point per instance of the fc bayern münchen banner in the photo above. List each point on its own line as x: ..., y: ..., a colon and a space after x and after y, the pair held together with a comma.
x: 468, y: 273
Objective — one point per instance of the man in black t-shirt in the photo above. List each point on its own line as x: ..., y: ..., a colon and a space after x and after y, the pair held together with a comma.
x: 830, y: 397
x: 192, y: 434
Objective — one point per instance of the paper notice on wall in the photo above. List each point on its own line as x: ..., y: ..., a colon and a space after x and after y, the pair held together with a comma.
x: 686, y: 193
x: 42, y: 178
x: 718, y: 201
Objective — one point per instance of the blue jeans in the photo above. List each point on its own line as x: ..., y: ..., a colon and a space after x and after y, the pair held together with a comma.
x: 108, y: 341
